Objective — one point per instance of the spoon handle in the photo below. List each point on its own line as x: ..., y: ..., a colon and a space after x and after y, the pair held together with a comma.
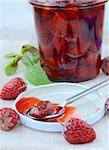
x: 87, y: 91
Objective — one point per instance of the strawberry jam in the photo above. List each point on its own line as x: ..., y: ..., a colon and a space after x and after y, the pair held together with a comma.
x: 70, y: 37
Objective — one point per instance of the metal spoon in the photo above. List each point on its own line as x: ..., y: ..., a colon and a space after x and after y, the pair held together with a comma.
x: 69, y: 101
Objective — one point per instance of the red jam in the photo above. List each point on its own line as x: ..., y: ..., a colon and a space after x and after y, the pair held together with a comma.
x: 70, y: 38
x: 25, y: 103
x: 70, y: 111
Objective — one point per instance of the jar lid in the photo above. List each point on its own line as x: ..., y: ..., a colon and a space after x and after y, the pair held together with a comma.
x: 63, y: 3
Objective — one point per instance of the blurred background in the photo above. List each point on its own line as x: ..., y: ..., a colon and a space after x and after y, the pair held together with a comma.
x: 16, y: 20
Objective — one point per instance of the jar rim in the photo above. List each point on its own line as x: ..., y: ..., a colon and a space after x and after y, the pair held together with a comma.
x: 81, y: 3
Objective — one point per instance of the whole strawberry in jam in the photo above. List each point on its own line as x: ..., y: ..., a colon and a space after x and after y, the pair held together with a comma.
x: 12, y: 89
x: 41, y: 109
x: 105, y: 65
x: 8, y: 119
x: 77, y: 131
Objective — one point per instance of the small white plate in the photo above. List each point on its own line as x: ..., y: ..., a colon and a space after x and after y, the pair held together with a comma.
x: 91, y: 107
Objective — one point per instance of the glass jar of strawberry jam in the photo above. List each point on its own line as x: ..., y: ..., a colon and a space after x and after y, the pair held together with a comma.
x: 70, y: 36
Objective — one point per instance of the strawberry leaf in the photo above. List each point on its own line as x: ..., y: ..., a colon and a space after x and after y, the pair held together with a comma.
x: 36, y: 76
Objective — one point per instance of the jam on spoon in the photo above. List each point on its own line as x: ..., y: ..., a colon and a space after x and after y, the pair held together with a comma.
x: 41, y: 109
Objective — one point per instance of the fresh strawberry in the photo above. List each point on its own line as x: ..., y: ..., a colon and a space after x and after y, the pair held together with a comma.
x: 105, y: 65
x: 8, y: 119
x: 107, y: 105
x: 77, y: 131
x: 12, y: 89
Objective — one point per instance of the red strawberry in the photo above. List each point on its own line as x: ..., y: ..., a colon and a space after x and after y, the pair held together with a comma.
x: 72, y: 13
x: 77, y: 131
x: 99, y: 26
x: 107, y: 105
x: 42, y: 109
x: 105, y: 65
x: 55, y: 75
x: 59, y: 44
x: 58, y: 24
x: 83, y: 72
x: 8, y: 119
x: 12, y: 89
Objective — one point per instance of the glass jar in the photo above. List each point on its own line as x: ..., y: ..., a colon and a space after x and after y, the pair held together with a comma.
x: 70, y: 36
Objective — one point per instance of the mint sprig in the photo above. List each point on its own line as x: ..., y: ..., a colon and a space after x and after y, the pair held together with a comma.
x: 29, y: 56
x: 11, y: 55
x: 29, y: 59
x: 12, y: 66
x: 36, y: 76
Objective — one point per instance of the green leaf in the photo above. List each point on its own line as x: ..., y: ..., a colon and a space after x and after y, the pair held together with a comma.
x: 11, y: 69
x: 26, y: 61
x: 34, y: 59
x: 34, y: 51
x: 25, y: 48
x: 11, y: 55
x: 36, y: 76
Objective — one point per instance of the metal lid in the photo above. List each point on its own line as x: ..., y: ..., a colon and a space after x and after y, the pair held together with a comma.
x: 63, y: 3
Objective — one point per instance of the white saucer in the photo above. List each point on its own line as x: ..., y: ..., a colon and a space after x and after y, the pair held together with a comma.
x: 58, y: 92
